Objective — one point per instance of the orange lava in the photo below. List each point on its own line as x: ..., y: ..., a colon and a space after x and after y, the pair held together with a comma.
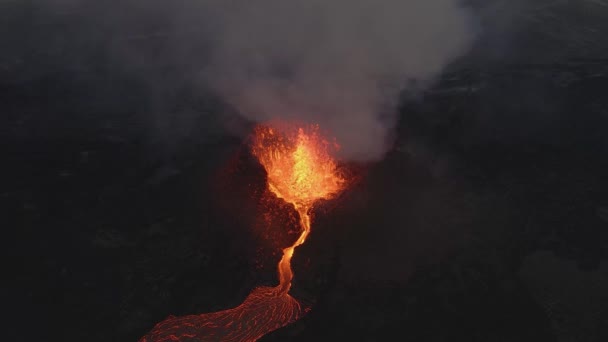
x: 262, y: 312
x: 300, y: 171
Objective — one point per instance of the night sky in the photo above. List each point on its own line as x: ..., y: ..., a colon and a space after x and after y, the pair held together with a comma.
x: 129, y: 192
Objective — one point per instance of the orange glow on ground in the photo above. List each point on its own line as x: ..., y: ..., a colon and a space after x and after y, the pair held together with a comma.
x: 300, y: 171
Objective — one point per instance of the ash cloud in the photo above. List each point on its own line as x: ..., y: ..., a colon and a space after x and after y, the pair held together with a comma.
x: 341, y: 64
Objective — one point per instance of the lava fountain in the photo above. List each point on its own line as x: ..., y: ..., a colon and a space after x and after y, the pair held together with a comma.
x: 301, y: 171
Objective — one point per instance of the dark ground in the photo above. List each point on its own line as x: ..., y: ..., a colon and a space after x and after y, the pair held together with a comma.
x: 487, y: 221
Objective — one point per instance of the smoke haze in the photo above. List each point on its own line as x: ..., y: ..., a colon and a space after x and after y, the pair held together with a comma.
x: 340, y: 63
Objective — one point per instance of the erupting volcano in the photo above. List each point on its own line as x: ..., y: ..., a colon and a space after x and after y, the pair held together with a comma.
x: 300, y: 170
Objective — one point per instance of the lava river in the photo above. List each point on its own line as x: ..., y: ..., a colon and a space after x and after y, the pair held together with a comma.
x: 300, y: 170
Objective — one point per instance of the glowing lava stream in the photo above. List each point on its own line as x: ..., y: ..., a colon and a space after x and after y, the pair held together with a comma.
x: 300, y: 171
x: 285, y: 272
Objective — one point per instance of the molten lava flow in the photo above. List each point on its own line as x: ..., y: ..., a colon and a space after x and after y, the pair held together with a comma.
x: 300, y: 171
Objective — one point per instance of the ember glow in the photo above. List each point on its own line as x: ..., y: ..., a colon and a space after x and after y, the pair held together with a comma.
x: 301, y: 171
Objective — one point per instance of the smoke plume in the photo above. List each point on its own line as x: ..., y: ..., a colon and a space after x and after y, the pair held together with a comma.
x: 339, y: 63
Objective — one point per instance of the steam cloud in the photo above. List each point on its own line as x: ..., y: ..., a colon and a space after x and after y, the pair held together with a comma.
x: 339, y: 63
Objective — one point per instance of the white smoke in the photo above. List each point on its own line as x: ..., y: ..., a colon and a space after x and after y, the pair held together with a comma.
x: 339, y: 63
